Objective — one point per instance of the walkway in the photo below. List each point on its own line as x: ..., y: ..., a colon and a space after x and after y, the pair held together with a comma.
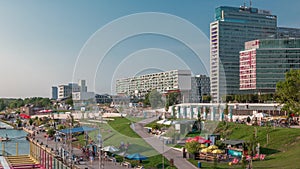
x: 83, y: 165
x: 169, y: 153
x: 4, y: 163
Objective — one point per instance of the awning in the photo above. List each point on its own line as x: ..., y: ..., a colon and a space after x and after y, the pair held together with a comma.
x: 77, y: 130
x: 233, y: 142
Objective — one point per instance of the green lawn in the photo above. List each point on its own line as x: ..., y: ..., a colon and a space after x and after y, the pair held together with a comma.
x: 122, y: 125
x: 283, y: 150
x: 117, y: 131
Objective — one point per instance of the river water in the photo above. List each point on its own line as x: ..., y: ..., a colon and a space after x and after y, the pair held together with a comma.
x: 16, y: 136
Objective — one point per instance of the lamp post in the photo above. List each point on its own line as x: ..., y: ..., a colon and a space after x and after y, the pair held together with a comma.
x: 99, y: 138
x: 163, y: 159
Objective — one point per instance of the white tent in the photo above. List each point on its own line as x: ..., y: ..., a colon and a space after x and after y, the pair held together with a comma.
x: 161, y: 121
x: 169, y: 122
x: 260, y: 115
x: 110, y: 149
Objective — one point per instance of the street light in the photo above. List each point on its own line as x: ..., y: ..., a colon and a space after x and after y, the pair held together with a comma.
x: 99, y: 138
x: 163, y: 159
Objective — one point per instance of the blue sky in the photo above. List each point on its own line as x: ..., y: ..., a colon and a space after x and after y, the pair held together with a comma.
x: 41, y: 40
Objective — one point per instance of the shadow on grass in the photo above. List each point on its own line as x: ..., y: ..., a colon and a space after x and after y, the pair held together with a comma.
x: 136, y: 148
x: 268, y: 151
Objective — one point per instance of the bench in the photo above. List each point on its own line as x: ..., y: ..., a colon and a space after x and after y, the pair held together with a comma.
x: 127, y: 164
x: 112, y: 159
x: 210, y: 158
x: 202, y: 156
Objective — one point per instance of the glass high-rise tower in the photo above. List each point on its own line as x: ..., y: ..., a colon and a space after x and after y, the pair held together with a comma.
x: 233, y: 26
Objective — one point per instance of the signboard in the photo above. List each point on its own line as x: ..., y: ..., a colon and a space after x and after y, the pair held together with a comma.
x: 235, y: 153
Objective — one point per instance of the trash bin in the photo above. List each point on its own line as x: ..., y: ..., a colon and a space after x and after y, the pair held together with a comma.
x: 199, y: 164
x: 171, y: 162
x: 184, y: 153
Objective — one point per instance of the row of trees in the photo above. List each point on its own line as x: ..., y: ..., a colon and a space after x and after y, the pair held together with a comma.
x: 17, y: 103
x: 287, y: 93
x: 250, y: 98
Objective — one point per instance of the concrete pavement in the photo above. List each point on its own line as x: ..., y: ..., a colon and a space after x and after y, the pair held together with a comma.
x: 167, y: 152
x: 83, y: 165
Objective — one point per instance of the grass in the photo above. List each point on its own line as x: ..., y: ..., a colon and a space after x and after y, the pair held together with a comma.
x: 122, y: 125
x: 153, y: 162
x: 282, y: 151
x: 118, y: 131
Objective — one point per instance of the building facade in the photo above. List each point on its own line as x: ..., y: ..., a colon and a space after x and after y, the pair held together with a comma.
x: 200, y: 87
x: 162, y: 82
x: 233, y: 26
x: 264, y: 62
x: 284, y: 32
x: 65, y: 91
x: 54, y: 94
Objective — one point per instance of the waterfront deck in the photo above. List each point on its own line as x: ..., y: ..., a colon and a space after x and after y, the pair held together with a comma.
x: 4, y: 164
x: 21, y: 162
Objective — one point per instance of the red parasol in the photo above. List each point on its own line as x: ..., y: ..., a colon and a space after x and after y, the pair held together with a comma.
x: 198, y: 139
x: 24, y: 116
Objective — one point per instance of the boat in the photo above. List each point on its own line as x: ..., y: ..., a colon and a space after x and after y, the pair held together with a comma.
x: 2, y: 139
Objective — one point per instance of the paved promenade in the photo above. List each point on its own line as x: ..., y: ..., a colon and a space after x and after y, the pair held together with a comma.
x: 83, y: 165
x: 169, y: 153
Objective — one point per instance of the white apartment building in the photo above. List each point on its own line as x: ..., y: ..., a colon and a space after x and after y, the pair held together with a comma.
x: 66, y: 90
x: 163, y: 82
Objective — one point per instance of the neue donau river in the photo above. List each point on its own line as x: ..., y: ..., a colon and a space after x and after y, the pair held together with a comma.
x: 15, y: 136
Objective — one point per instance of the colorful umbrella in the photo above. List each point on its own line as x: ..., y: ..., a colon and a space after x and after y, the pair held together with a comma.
x: 198, y: 139
x: 212, y: 147
x: 206, y: 150
x: 217, y: 151
x: 203, y: 146
x: 136, y: 156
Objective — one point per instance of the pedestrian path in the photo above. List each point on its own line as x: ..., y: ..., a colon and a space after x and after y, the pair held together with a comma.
x: 167, y: 152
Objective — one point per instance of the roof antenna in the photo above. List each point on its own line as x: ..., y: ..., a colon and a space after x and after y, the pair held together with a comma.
x: 250, y: 3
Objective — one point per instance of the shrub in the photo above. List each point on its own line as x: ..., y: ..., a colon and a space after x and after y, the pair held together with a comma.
x: 192, y: 147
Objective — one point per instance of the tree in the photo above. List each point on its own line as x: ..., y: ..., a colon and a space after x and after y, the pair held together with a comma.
x: 2, y: 105
x: 146, y: 101
x: 173, y: 98
x: 206, y: 98
x: 19, y: 123
x: 155, y: 99
x: 51, y: 132
x: 60, y: 127
x: 288, y: 92
x: 69, y: 101
x: 192, y: 147
x: 30, y: 121
x: 199, y: 119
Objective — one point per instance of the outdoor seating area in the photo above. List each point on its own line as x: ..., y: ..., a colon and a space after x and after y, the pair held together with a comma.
x: 126, y: 164
x: 232, y: 151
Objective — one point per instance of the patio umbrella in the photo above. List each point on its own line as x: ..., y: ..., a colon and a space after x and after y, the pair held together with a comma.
x: 24, y: 116
x: 124, y: 154
x: 205, y: 150
x: 198, y: 139
x: 110, y: 149
x: 212, y: 147
x: 203, y: 146
x: 217, y: 151
x: 136, y: 156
